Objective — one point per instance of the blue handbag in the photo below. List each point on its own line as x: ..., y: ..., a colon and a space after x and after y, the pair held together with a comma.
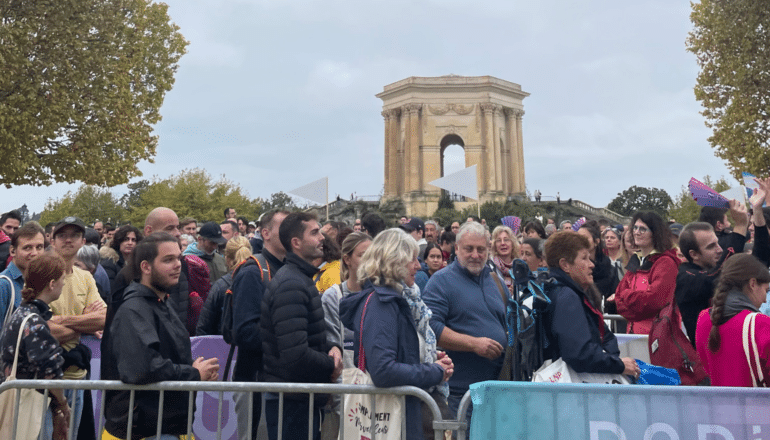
x: 655, y: 375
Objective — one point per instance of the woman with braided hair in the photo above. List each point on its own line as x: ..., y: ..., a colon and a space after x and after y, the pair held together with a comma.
x: 40, y: 356
x: 719, y: 337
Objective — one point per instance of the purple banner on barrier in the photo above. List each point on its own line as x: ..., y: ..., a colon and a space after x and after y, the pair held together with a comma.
x: 205, y: 420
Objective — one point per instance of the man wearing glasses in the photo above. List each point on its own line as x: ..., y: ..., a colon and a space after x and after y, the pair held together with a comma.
x: 79, y: 310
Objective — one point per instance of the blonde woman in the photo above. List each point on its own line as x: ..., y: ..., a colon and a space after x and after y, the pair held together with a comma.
x: 237, y: 250
x: 399, y: 345
x: 505, y: 248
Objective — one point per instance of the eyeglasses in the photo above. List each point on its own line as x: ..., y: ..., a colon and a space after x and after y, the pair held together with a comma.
x: 640, y: 229
x: 69, y: 235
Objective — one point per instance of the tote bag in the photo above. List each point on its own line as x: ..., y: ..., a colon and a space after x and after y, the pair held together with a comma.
x: 32, y: 404
x: 559, y: 372
x: 356, y: 417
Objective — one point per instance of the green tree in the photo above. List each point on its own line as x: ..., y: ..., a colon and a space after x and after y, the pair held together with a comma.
x: 731, y: 40
x: 89, y: 203
x: 195, y: 194
x: 493, y: 212
x: 684, y: 209
x: 280, y: 200
x: 81, y: 83
x: 133, y: 198
x: 446, y: 216
x: 637, y: 198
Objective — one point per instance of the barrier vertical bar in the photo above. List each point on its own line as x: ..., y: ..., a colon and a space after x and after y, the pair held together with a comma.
x: 101, y: 413
x: 160, y: 414
x: 130, y: 421
x: 219, y: 415
x: 310, y: 418
x: 372, y: 414
x: 16, y: 411
x: 280, y: 415
x: 45, y: 408
x: 342, y: 417
x: 250, y: 409
x: 403, y: 418
x: 190, y: 406
x: 71, y: 427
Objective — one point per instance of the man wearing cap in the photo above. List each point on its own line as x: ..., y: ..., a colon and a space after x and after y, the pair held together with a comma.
x: 209, y: 239
x: 416, y: 228
x: 79, y: 309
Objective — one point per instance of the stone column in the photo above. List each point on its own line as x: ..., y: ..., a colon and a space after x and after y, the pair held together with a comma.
x: 497, y: 162
x: 388, y: 154
x: 488, y: 154
x: 396, y: 160
x: 412, y: 153
x: 521, y: 183
x: 512, y: 172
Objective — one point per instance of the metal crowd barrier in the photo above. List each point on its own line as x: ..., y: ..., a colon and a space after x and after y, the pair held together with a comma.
x: 439, y: 425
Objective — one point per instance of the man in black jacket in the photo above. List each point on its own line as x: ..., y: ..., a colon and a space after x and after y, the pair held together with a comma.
x: 148, y: 343
x: 706, y: 245
x: 293, y: 333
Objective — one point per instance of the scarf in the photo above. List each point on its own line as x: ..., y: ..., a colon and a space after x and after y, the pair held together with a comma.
x: 192, y: 249
x: 505, y: 270
x: 735, y: 303
x: 421, y: 315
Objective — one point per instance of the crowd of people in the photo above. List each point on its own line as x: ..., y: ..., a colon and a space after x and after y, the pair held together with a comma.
x: 418, y: 303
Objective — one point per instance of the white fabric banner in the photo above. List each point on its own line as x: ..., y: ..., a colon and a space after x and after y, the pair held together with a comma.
x: 314, y: 191
x: 462, y: 182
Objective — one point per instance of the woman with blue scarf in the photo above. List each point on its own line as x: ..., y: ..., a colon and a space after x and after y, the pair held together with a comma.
x: 399, y: 345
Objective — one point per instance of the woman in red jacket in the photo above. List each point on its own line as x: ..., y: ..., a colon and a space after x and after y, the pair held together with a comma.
x: 650, y: 279
x: 719, y: 336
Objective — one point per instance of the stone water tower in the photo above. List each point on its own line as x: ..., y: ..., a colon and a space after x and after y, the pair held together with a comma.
x: 423, y: 116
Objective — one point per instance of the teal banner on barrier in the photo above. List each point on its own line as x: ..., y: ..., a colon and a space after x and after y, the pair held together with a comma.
x: 507, y: 410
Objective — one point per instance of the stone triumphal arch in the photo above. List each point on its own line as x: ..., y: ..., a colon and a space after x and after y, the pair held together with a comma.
x: 423, y: 116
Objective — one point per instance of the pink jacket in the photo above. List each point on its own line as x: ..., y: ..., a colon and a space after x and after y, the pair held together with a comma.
x: 641, y: 295
x: 728, y: 366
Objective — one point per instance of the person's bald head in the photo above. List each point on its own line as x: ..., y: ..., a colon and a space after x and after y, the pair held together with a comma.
x: 162, y: 220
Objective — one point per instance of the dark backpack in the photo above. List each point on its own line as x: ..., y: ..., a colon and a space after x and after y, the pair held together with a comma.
x: 228, y: 332
x: 525, y: 310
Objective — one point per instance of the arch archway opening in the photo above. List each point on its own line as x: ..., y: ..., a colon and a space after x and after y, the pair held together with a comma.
x: 452, y: 158
x: 452, y: 154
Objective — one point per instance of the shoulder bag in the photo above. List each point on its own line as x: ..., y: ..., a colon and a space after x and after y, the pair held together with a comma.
x: 32, y: 404
x: 357, y: 408
x: 749, y: 344
x: 670, y: 348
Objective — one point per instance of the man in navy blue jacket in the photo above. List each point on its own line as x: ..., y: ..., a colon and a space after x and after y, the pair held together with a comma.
x: 468, y: 313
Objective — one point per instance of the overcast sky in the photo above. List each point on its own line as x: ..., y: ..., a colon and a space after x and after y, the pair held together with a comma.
x: 275, y: 94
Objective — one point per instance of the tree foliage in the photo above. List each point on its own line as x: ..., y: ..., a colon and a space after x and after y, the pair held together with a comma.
x: 279, y: 200
x: 637, y: 198
x: 731, y: 40
x: 684, y: 209
x: 89, y: 203
x: 193, y: 193
x: 190, y: 193
x: 81, y: 84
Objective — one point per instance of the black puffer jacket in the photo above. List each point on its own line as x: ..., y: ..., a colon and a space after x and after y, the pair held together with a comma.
x: 210, y: 319
x: 294, y: 346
